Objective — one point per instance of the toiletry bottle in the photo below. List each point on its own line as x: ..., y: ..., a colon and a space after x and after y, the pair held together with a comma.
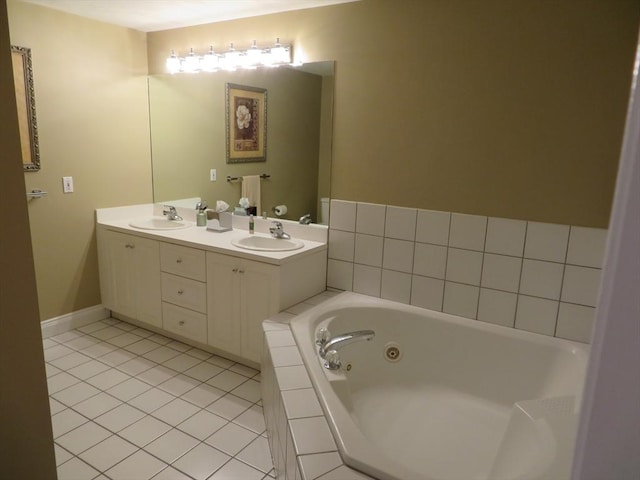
x: 201, y: 218
x: 251, y: 224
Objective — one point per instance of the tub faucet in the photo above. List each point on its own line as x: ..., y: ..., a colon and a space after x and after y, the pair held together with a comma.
x: 171, y: 213
x: 328, y: 350
x: 277, y: 231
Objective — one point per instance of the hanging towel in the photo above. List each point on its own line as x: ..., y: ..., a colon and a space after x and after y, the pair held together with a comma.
x: 251, y: 190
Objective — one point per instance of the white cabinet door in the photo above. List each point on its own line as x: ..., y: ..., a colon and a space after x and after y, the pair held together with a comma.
x: 240, y: 295
x: 223, y: 300
x: 146, y: 254
x: 116, y: 285
x: 259, y: 301
x: 130, y: 276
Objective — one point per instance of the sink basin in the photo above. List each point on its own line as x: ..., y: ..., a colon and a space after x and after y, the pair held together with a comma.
x: 158, y: 223
x: 267, y: 244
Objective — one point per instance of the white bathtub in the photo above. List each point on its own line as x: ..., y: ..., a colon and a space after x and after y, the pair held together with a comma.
x: 466, y: 401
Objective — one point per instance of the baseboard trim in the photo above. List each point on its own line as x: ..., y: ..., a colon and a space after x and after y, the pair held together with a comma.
x: 69, y: 321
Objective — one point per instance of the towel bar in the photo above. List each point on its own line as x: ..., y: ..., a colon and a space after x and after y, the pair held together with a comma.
x: 36, y: 194
x: 233, y: 179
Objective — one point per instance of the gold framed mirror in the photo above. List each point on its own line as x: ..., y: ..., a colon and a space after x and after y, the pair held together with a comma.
x: 26, y: 103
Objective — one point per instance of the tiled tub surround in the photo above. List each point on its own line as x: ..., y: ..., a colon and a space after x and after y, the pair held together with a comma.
x: 508, y: 410
x: 539, y: 277
x: 302, y: 446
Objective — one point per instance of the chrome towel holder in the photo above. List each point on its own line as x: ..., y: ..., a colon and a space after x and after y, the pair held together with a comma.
x: 37, y: 193
x: 233, y: 179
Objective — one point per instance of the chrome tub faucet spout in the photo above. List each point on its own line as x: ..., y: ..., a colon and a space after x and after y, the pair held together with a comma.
x: 328, y: 350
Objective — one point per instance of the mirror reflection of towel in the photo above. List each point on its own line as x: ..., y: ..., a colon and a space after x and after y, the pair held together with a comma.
x: 251, y: 190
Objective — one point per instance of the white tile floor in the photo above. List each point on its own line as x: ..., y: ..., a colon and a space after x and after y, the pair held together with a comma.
x: 128, y: 404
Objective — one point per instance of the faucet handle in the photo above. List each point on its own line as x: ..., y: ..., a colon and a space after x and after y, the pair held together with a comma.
x: 332, y: 360
x: 322, y: 336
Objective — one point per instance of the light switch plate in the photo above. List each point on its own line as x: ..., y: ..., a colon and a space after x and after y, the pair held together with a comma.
x: 67, y: 184
x: 213, y: 176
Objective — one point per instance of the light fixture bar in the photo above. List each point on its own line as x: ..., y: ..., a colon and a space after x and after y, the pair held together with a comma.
x: 232, y: 59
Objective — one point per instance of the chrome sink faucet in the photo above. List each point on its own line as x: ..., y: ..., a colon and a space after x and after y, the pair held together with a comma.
x: 278, y: 232
x: 171, y: 213
x: 305, y: 219
x: 328, y: 350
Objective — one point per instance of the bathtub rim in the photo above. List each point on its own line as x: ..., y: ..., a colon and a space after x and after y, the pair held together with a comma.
x: 352, y: 449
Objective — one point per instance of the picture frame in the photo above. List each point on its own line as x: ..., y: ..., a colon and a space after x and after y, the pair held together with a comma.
x: 26, y: 107
x: 246, y: 123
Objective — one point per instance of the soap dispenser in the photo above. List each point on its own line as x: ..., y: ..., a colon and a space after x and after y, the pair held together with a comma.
x: 201, y: 216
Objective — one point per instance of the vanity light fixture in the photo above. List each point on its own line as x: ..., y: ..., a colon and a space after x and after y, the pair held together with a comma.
x: 233, y: 59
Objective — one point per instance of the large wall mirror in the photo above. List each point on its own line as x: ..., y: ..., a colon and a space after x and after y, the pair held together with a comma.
x: 187, y: 115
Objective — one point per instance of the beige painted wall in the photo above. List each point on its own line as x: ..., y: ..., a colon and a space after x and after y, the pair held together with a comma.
x: 92, y: 112
x: 188, y: 138
x: 503, y: 108
x: 26, y: 439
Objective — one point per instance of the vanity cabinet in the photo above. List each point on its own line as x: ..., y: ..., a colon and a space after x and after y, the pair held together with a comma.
x: 130, y: 276
x: 241, y: 294
x: 210, y: 296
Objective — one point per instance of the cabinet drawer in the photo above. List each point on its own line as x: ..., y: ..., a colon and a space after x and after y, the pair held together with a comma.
x: 186, y: 323
x: 184, y: 292
x: 183, y: 261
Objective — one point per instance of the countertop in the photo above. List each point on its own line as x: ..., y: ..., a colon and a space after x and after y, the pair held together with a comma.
x: 118, y: 219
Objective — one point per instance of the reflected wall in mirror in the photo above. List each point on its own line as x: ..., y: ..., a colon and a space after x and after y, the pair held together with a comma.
x: 26, y: 104
x: 187, y: 116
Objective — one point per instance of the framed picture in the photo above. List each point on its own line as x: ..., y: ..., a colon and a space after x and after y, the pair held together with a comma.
x: 26, y: 102
x: 246, y: 120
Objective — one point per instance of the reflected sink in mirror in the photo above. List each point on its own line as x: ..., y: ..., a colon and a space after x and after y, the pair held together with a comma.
x: 267, y: 244
x: 158, y: 223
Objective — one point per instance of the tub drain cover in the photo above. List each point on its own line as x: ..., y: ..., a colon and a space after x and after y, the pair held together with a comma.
x: 392, y: 352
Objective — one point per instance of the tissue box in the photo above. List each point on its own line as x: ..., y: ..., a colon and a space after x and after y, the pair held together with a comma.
x: 219, y: 221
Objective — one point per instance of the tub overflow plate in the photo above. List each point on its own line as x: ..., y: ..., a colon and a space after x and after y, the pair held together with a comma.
x: 392, y: 352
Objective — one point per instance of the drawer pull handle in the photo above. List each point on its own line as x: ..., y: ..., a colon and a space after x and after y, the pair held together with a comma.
x: 179, y: 260
x: 180, y: 292
x: 181, y: 322
x: 130, y: 245
x: 234, y: 270
x: 240, y: 271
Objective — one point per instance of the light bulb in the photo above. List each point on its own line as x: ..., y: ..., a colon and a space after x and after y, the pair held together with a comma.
x: 280, y: 54
x: 231, y: 58
x: 209, y: 62
x: 191, y: 62
x: 173, y: 63
x: 253, y: 56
